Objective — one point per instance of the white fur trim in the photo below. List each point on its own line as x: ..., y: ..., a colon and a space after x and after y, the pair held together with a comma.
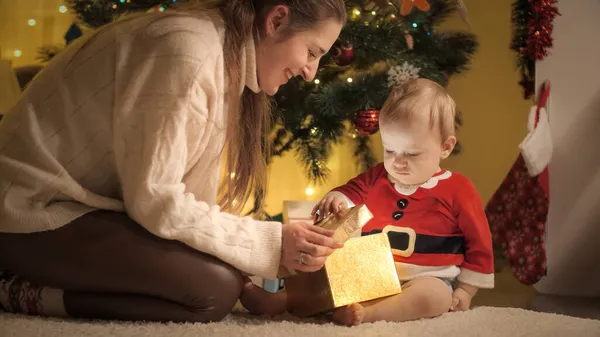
x: 350, y: 204
x: 476, y: 279
x: 429, y: 184
x: 407, y: 271
x: 537, y: 147
x: 348, y: 201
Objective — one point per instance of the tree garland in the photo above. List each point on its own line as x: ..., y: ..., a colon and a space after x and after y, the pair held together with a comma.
x: 532, y: 37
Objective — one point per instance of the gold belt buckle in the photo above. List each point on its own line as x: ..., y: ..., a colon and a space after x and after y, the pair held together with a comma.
x: 412, y: 237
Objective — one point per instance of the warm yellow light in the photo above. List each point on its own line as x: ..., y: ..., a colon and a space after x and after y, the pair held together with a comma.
x: 317, y: 81
x: 31, y: 22
x: 114, y: 6
x: 309, y: 191
x: 349, y: 79
x: 17, y: 53
x: 232, y: 175
x: 357, y: 12
x: 373, y: 13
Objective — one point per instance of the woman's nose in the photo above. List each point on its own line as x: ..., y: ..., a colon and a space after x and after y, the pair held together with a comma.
x: 309, y: 71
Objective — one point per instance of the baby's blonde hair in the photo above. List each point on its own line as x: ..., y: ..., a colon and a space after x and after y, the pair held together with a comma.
x: 420, y: 96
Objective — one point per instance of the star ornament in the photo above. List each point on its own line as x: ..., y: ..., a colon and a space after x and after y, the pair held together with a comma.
x: 407, y: 6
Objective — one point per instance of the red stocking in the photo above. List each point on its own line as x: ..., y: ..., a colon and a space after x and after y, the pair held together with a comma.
x: 518, y: 209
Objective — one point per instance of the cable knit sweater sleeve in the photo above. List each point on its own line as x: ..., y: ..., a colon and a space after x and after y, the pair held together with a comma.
x: 165, y: 108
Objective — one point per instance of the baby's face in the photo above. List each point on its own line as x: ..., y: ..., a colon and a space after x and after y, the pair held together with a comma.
x: 412, y: 150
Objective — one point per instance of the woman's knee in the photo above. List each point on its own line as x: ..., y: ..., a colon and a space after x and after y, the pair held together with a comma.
x: 212, y: 293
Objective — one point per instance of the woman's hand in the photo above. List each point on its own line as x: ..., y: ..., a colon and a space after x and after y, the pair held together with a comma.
x: 305, y: 247
x: 332, y: 202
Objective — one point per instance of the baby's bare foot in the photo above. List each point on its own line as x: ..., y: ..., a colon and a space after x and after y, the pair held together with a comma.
x: 350, y: 315
x: 261, y: 302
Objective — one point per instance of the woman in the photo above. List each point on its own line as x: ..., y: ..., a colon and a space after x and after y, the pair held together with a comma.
x: 110, y: 162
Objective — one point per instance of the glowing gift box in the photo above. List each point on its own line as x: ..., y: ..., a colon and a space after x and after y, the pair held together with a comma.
x: 362, y: 270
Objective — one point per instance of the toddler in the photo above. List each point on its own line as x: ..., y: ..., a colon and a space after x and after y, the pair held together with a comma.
x: 434, y: 218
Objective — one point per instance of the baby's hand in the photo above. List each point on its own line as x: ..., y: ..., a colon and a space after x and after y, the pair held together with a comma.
x: 461, y: 300
x: 333, y: 202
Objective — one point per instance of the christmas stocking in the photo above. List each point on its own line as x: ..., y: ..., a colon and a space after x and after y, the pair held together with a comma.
x: 518, y: 210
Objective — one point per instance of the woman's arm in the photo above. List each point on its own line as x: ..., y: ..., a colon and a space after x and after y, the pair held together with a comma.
x: 151, y: 137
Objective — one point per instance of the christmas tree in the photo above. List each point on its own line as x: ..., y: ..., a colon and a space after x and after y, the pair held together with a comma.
x: 382, y: 44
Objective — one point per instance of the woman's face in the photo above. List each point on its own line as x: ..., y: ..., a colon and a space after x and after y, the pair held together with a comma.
x: 280, y: 57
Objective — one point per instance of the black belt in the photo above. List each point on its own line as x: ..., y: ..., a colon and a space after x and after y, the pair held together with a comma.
x: 425, y: 244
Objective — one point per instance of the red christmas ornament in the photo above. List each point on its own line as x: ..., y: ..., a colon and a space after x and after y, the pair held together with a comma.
x: 367, y: 121
x: 344, y: 55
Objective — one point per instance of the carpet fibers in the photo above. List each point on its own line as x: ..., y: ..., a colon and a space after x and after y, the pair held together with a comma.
x: 481, y: 321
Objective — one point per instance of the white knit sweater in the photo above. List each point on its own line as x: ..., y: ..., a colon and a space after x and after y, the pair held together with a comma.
x: 133, y: 119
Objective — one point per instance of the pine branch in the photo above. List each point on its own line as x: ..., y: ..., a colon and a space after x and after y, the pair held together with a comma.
x: 441, y: 10
x: 363, y: 154
x: 313, y: 156
x: 374, y: 43
x: 47, y: 53
x: 96, y: 13
x: 464, y: 46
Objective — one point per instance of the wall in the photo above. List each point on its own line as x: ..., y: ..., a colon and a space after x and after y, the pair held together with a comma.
x: 490, y: 99
x: 573, y: 229
x: 17, y: 34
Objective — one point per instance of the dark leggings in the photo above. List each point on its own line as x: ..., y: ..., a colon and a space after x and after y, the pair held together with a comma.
x: 110, y: 267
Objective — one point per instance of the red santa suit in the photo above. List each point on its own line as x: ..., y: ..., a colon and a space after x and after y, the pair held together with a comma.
x: 436, y: 229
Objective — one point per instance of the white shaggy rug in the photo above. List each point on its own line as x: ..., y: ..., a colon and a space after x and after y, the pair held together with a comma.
x: 482, y: 321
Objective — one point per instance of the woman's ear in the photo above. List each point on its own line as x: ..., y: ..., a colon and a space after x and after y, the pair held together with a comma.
x: 448, y: 147
x: 277, y: 19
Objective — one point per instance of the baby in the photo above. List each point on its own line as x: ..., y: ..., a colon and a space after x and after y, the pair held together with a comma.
x: 434, y: 218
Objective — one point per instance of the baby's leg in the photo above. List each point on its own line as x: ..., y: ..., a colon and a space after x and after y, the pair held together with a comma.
x: 260, y: 302
x: 422, y: 297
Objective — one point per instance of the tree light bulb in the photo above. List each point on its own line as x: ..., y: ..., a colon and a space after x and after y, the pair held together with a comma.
x: 414, y: 24
x: 309, y: 191
x: 373, y: 13
x: 31, y: 22
x: 357, y: 12
x: 317, y: 81
x: 232, y: 175
x: 62, y: 9
x: 17, y: 53
x: 349, y: 79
